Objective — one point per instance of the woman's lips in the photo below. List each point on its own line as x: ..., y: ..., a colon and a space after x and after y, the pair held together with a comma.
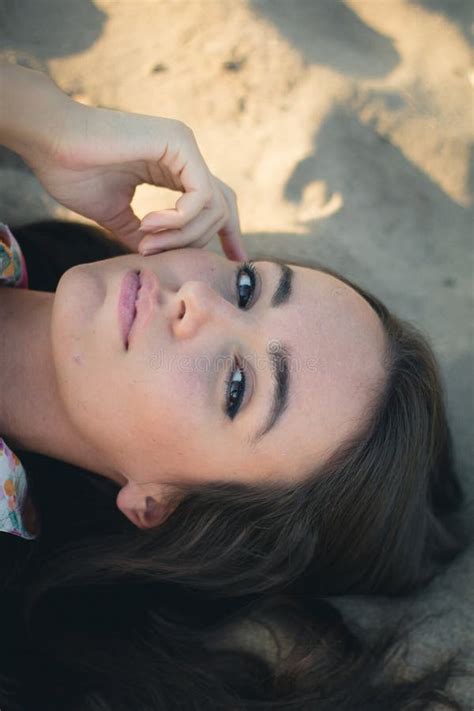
x: 126, y: 304
x: 147, y: 299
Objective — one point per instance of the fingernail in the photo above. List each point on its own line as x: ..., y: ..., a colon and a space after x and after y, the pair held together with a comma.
x: 150, y: 249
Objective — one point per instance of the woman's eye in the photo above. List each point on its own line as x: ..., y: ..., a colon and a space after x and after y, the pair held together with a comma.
x: 245, y: 283
x: 235, y: 386
x: 235, y: 390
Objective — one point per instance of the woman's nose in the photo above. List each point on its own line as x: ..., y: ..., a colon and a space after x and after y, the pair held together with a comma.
x: 197, y: 303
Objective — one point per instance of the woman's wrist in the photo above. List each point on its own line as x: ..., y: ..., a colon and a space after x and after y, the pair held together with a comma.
x: 32, y: 110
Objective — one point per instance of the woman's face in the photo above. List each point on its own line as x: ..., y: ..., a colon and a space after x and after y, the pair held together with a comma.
x: 309, y: 346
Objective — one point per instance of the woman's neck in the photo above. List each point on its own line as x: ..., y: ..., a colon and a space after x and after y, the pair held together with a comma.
x: 32, y: 416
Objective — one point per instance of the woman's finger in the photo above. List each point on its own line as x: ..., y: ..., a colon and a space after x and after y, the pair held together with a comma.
x: 199, y: 225
x: 231, y: 234
x: 205, y: 222
x: 188, y: 206
x: 233, y: 245
x: 174, y: 239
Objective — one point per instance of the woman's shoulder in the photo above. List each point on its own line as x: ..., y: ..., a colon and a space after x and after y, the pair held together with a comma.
x: 17, y: 515
x: 13, y: 271
x: 16, y: 511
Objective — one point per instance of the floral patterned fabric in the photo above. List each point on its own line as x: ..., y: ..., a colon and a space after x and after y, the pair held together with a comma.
x: 16, y: 510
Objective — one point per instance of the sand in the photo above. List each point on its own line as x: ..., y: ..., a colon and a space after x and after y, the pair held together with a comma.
x: 345, y: 129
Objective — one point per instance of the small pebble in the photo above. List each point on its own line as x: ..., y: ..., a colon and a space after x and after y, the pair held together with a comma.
x: 449, y: 281
x: 234, y: 66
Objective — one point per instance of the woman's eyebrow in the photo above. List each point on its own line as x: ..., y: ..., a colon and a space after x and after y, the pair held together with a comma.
x: 279, y: 355
x: 284, y: 287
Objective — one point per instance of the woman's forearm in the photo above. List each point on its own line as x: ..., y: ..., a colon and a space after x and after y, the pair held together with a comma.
x: 30, y: 109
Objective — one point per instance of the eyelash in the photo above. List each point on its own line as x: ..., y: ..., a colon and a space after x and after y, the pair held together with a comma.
x: 233, y: 407
x: 249, y: 269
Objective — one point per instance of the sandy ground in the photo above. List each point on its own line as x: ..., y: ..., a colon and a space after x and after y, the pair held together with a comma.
x: 344, y: 128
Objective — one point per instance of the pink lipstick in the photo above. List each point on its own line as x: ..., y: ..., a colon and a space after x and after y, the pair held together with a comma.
x: 126, y: 303
x: 147, y: 299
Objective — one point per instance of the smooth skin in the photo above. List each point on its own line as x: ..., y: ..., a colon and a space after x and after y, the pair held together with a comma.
x: 152, y: 417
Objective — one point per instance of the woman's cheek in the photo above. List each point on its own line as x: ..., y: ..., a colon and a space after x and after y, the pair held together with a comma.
x: 187, y: 387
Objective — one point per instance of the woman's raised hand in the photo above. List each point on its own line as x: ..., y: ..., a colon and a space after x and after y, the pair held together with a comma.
x: 92, y: 159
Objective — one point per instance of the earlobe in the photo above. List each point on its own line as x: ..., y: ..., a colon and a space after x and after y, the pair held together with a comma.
x: 126, y: 503
x: 156, y: 512
x: 142, y: 510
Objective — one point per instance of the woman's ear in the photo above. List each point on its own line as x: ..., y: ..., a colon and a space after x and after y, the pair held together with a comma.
x: 145, y: 505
